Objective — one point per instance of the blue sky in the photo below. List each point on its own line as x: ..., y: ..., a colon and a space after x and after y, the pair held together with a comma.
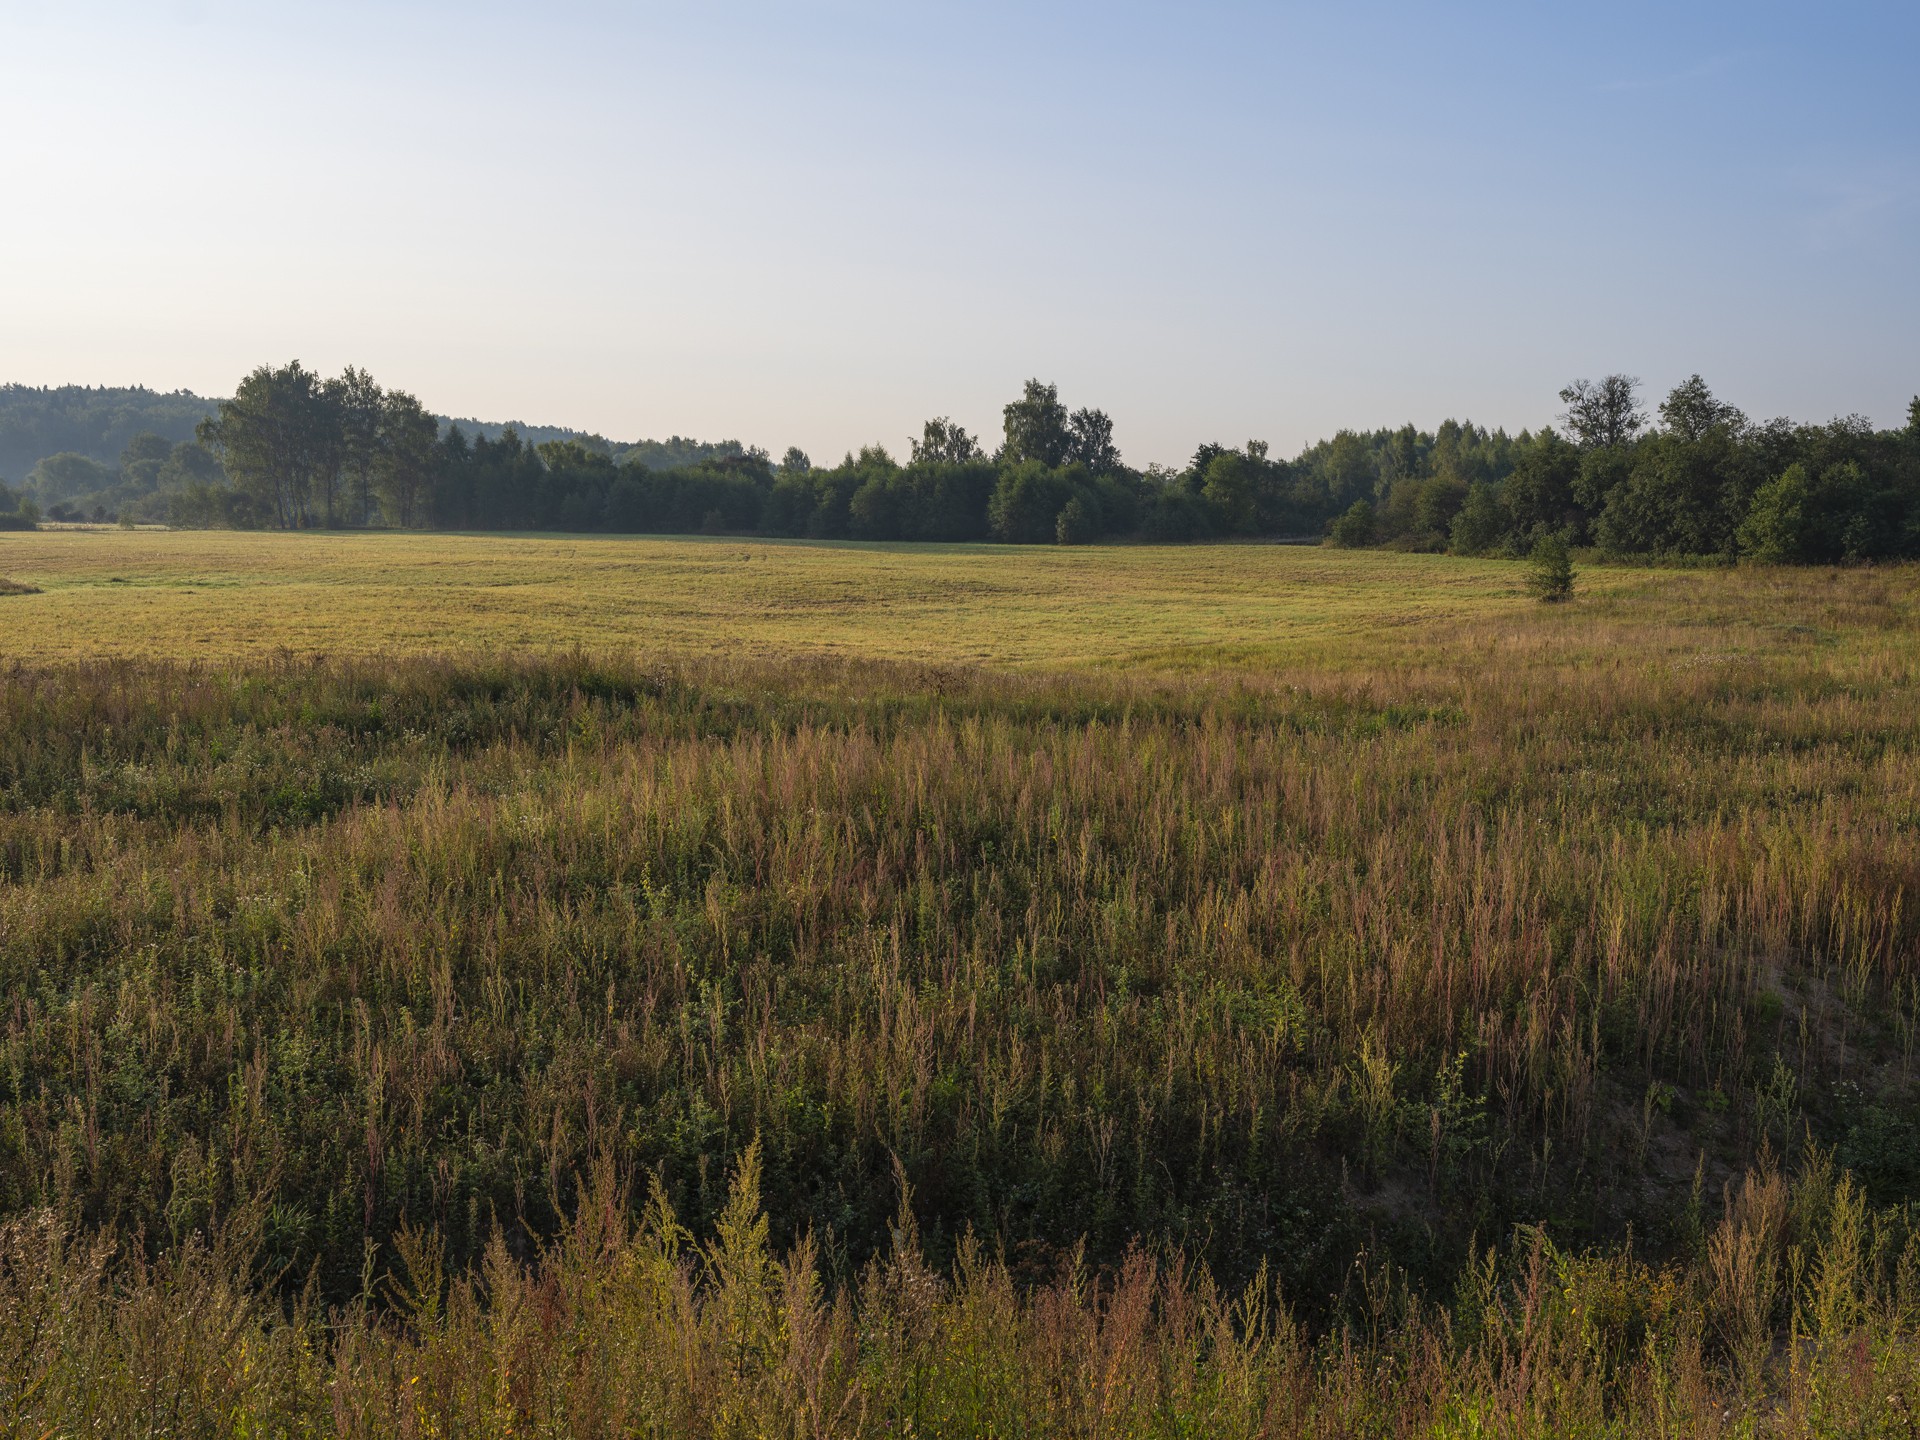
x: 820, y: 223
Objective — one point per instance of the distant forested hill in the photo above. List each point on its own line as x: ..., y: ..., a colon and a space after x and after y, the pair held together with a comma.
x: 94, y: 421
x: 98, y: 421
x: 675, y: 453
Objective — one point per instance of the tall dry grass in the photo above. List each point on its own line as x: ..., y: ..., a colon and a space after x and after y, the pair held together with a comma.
x: 618, y: 1327
x: 1534, y: 944
x: 1258, y: 968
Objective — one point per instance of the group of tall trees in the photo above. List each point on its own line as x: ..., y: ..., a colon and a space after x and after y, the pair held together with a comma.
x: 301, y: 451
x: 1695, y: 478
x: 1692, y: 476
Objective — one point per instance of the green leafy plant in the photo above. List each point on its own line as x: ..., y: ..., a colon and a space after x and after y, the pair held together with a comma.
x: 1550, y: 570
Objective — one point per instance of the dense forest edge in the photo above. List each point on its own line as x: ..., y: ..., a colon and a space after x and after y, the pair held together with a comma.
x: 1694, y: 478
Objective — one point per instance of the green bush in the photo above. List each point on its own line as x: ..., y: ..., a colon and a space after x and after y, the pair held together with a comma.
x: 1774, y: 530
x: 1355, y: 528
x: 1176, y: 517
x: 1026, y: 503
x: 1550, y: 570
x: 1482, y: 521
x: 1075, y: 524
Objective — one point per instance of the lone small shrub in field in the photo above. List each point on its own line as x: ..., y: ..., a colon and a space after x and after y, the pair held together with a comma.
x: 17, y: 587
x: 1550, y: 570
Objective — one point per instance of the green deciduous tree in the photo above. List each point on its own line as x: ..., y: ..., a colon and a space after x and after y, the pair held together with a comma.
x: 1194, y: 478
x: 363, y: 419
x: 1075, y: 525
x: 1026, y: 503
x: 1602, y: 471
x: 405, y: 449
x: 67, y: 476
x: 191, y: 461
x: 1688, y: 487
x: 1541, y: 492
x: 1692, y: 412
x: 1231, y: 485
x: 278, y: 440
x: 1090, y: 442
x: 1774, y: 531
x: 1176, y: 516
x: 1483, y: 520
x: 942, y: 440
x: 194, y: 490
x: 145, y: 456
x: 1603, y: 414
x: 1037, y: 427
x: 1436, y: 501
x: 1354, y: 528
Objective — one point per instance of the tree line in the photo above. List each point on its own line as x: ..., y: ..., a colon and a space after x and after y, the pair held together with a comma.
x: 1696, y: 478
x: 1693, y: 476
x: 301, y: 451
x: 96, y: 453
x: 68, y: 486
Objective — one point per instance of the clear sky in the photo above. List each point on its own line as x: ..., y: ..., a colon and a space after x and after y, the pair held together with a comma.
x: 820, y: 223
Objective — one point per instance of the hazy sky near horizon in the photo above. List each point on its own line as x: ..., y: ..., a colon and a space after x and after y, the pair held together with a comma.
x: 820, y: 223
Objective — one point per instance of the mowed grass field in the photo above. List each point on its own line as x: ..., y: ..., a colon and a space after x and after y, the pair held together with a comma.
x: 221, y: 596
x: 527, y: 985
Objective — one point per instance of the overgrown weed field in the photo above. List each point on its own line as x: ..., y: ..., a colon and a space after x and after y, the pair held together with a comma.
x: 1235, y: 990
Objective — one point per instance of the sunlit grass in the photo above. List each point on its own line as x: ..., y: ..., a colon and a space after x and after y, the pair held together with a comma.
x: 197, y: 595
